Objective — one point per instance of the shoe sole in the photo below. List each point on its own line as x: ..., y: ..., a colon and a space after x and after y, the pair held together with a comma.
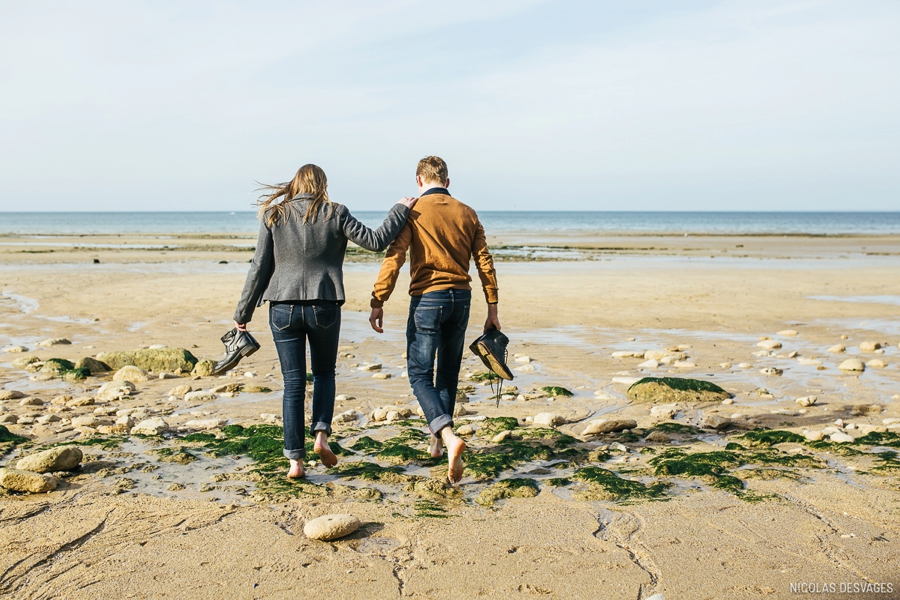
x: 495, y: 366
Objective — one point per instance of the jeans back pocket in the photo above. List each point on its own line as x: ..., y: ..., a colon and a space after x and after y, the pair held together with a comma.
x: 280, y: 316
x: 427, y: 318
x: 325, y: 314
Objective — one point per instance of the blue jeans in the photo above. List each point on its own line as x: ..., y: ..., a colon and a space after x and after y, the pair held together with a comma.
x: 292, y: 324
x: 436, y: 328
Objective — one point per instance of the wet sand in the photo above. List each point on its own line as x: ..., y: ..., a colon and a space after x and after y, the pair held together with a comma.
x: 805, y: 513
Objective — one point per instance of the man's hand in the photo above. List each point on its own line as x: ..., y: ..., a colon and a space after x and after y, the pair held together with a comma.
x: 408, y: 201
x: 240, y: 326
x: 492, y: 319
x: 376, y: 318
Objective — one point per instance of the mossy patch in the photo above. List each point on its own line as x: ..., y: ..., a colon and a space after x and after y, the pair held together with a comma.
x: 9, y: 440
x: 770, y: 437
x: 370, y: 471
x: 880, y: 438
x: 494, y: 425
x: 178, y: 455
x: 603, y: 484
x: 557, y: 391
x: 367, y: 444
x: 680, y: 428
x: 484, y: 376
x: 675, y: 389
x: 888, y: 461
x: 559, y: 481
x: 154, y: 360
x: 401, y: 454
x: 427, y: 509
x: 508, y: 488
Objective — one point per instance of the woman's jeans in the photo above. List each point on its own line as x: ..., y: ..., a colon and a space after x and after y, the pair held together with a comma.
x: 436, y: 328
x: 292, y: 324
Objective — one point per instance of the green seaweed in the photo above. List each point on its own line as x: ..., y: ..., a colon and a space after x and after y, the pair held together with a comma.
x: 398, y: 453
x: 199, y: 437
x: 728, y: 483
x: 681, y: 384
x: 770, y: 437
x: 508, y: 488
x: 557, y: 391
x: 559, y: 481
x: 494, y: 425
x: 880, y: 438
x: 606, y: 485
x: 484, y: 376
x: 734, y: 446
x: 370, y: 471
x: 889, y: 461
x: 6, y: 436
x: 670, y: 427
x: 366, y: 444
x: 428, y: 509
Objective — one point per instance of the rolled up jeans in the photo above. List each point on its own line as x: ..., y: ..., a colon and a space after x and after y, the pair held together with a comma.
x: 292, y: 324
x: 436, y: 329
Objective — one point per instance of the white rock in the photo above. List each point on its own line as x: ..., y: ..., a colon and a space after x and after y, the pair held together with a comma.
x: 373, y: 367
x: 793, y: 354
x: 523, y: 359
x: 86, y: 421
x: 813, y: 436
x: 771, y: 371
x: 548, y: 419
x: 869, y: 346
x: 728, y: 401
x: 344, y: 398
x: 671, y: 359
x: 525, y: 369
x: 269, y: 417
x: 890, y: 421
x: 465, y: 430
x: 788, y: 333
x: 809, y: 362
x: 331, y: 527
x: 876, y: 363
x: 664, y: 411
x: 649, y: 364
x: 249, y: 374
x: 347, y: 416
x: 837, y: 349
x: 16, y: 349
x: 200, y: 396
x: 115, y: 390
x: 852, y: 365
x: 769, y: 344
x: 459, y: 410
x: 131, y: 374
x: 54, y: 342
x: 381, y: 376
x: 125, y: 421
x: 151, y: 426
x: 840, y: 438
x: 725, y: 365
x: 806, y: 400
x: 205, y: 423
x: 745, y: 366
x: 503, y: 435
x: 683, y: 364
x: 626, y: 354
x: 830, y: 429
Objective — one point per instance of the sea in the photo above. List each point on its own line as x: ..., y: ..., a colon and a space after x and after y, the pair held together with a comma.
x: 495, y: 222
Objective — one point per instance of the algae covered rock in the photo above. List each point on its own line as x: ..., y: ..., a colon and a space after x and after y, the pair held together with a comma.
x: 331, y: 527
x: 151, y: 359
x: 675, y: 389
x: 508, y: 488
x: 26, y: 481
x: 56, y: 367
x: 204, y: 368
x: 93, y: 365
x: 61, y: 458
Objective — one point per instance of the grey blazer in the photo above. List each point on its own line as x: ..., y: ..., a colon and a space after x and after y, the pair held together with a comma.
x: 304, y: 261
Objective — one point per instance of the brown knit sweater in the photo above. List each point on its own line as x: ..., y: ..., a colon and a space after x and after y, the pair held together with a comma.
x: 441, y: 235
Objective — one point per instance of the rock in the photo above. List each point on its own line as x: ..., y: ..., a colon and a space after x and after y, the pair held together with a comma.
x: 151, y: 426
x: 787, y: 333
x: 132, y: 374
x: 86, y: 421
x: 600, y: 426
x: 269, y: 417
x: 381, y: 376
x: 93, y: 365
x: 205, y: 423
x: 151, y: 359
x: 179, y: 391
x: 460, y: 410
x: 51, y: 418
x: 115, y: 390
x: 840, y: 438
x: 806, y: 400
x: 8, y: 419
x: 809, y: 362
x: 769, y: 344
x: 26, y: 481
x: 523, y: 359
x: 716, y: 422
x: 548, y: 419
x: 344, y: 398
x: 837, y: 349
x: 725, y: 365
x: 125, y: 421
x: 347, y: 416
x: 876, y: 363
x: 664, y: 411
x: 813, y: 436
x: 373, y: 367
x: 661, y: 354
x: 16, y: 349
x: 331, y: 527
x: 869, y: 347
x: 683, y: 364
x: 853, y: 365
x: 55, y: 367
x: 674, y: 389
x: 24, y: 361
x: 771, y: 371
x: 54, y: 342
x: 60, y: 458
x: 11, y: 395
x: 625, y: 354
x: 465, y: 430
x: 227, y: 388
x: 380, y: 413
x: 525, y: 369
x: 670, y: 359
x: 658, y: 437
x: 745, y: 366
x: 649, y: 364
x: 204, y: 368
x: 503, y: 435
x: 82, y: 401
x: 31, y: 402
x: 200, y: 396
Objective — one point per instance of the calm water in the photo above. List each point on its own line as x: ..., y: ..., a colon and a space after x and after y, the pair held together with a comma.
x: 494, y: 222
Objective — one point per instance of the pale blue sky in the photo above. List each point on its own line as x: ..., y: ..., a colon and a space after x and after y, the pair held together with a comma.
x: 590, y: 105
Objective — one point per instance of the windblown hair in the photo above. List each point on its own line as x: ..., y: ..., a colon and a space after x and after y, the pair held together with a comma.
x: 276, y: 206
x: 433, y: 169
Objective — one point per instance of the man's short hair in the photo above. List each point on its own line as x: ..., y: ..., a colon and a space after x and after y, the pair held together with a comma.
x: 432, y: 169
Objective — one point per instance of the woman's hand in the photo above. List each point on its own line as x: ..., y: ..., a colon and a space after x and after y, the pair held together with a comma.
x: 408, y: 202
x: 240, y: 326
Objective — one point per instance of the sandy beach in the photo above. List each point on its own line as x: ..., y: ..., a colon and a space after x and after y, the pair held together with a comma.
x: 754, y: 496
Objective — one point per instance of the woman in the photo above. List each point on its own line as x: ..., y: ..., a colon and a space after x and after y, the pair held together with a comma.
x: 298, y: 268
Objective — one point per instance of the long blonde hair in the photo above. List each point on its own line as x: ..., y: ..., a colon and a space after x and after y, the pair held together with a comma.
x: 309, y: 179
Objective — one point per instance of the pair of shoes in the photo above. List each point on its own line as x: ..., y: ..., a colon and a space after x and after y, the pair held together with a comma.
x: 491, y: 349
x: 238, y: 344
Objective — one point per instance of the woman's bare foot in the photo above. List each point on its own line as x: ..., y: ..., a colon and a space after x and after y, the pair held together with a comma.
x: 455, y: 448
x: 296, y: 471
x: 436, y: 447
x: 323, y: 450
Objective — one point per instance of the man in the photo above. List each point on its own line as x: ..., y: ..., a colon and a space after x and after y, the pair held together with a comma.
x: 441, y: 234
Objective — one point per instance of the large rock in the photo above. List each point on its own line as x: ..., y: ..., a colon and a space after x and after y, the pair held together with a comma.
x: 115, y: 390
x: 548, y: 419
x: 600, y: 426
x: 204, y: 368
x: 24, y: 361
x: 179, y: 391
x: 666, y: 390
x: 331, y: 527
x: 204, y: 423
x: 11, y: 395
x: 853, y: 365
x: 716, y: 422
x: 93, y: 365
x: 56, y: 367
x: 869, y: 346
x: 61, y: 458
x: 200, y: 396
x: 151, y: 359
x: 26, y: 481
x: 131, y: 374
x: 151, y: 426
x: 54, y: 342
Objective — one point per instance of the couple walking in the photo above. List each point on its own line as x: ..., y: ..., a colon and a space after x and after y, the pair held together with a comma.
x: 298, y: 269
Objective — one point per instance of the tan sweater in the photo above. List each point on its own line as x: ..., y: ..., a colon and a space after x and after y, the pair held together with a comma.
x: 441, y: 234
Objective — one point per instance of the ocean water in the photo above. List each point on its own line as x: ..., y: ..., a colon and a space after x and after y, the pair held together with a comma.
x: 495, y: 222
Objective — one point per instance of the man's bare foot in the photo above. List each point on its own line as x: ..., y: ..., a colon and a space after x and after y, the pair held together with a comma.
x: 296, y: 471
x: 436, y: 447
x: 455, y: 448
x: 323, y: 450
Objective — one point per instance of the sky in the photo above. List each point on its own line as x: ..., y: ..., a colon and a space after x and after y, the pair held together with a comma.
x: 535, y: 105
